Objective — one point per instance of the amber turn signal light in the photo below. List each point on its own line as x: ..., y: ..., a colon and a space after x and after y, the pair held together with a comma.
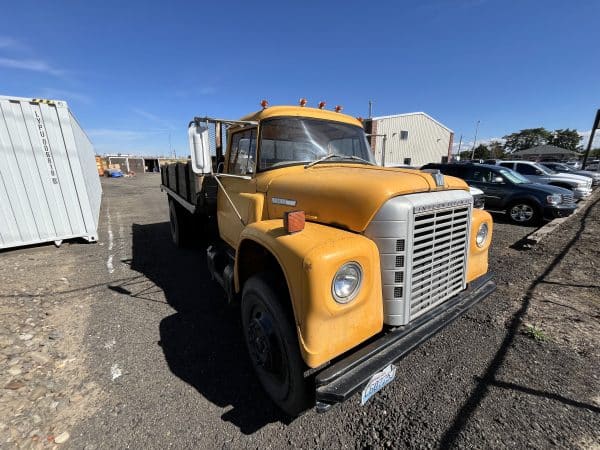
x: 293, y: 221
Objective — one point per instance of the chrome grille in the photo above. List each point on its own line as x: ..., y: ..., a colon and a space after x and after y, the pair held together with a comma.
x: 568, y: 199
x: 438, y: 258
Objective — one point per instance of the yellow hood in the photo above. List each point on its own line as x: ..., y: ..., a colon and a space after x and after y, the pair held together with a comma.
x: 344, y: 195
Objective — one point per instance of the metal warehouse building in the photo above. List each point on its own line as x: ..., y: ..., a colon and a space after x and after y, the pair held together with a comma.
x: 412, y: 139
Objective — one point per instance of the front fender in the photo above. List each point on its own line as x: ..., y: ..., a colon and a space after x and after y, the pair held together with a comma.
x: 309, y: 260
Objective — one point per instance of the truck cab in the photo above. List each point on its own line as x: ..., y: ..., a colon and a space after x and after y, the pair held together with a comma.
x: 341, y: 267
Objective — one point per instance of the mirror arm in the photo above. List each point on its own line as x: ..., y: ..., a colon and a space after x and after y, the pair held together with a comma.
x: 216, y: 177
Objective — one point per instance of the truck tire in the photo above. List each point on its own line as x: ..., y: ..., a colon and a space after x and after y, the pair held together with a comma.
x: 179, y: 225
x: 523, y: 212
x: 273, y: 345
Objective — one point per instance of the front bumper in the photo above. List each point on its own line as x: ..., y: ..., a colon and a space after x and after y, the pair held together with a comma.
x: 348, y: 375
x: 552, y: 212
x: 579, y: 193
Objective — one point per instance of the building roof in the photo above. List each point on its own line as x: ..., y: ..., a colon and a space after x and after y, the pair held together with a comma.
x: 393, y: 116
x: 545, y: 150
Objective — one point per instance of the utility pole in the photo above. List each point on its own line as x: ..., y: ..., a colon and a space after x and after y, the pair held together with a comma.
x: 370, y: 108
x: 475, y: 140
x: 592, y: 134
x: 459, y: 146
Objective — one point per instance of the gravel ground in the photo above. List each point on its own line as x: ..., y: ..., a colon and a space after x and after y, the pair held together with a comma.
x: 142, y: 350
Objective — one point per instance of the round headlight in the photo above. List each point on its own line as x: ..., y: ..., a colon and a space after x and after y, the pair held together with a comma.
x: 482, y: 234
x: 346, y: 282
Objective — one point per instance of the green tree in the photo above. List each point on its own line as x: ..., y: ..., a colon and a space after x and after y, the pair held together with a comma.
x: 496, y: 149
x: 481, y: 152
x: 524, y: 139
x: 566, y: 138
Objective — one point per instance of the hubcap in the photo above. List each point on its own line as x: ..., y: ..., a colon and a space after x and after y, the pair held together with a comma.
x: 521, y: 213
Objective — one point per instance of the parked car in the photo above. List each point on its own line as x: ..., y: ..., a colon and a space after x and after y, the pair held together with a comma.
x: 478, y: 197
x: 581, y: 186
x: 564, y: 168
x: 505, y: 190
x: 574, y: 164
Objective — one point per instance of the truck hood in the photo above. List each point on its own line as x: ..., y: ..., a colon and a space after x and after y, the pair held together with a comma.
x: 568, y: 178
x: 345, y: 195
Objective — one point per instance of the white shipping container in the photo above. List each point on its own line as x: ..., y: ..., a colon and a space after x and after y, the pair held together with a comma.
x: 49, y: 184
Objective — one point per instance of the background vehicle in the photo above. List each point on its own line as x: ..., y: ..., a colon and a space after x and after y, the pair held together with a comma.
x: 478, y: 197
x: 564, y: 168
x: 581, y: 186
x: 505, y: 190
x: 341, y: 267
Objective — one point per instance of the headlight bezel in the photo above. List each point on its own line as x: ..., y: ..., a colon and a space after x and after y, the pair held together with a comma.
x: 481, y: 241
x: 345, y: 299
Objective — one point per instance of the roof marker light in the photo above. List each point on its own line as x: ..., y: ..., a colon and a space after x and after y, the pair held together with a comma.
x: 264, y: 104
x: 302, y: 102
x: 338, y: 108
x: 322, y: 105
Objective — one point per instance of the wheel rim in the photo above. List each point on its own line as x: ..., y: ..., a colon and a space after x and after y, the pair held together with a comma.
x: 521, y: 213
x: 264, y: 344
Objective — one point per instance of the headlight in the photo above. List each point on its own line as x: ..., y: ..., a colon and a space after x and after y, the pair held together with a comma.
x: 346, y: 282
x: 482, y: 235
x: 554, y: 199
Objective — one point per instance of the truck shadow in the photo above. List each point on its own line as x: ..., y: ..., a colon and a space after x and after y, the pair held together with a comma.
x: 202, y: 342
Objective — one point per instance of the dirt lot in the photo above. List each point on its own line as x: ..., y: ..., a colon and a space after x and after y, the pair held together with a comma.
x: 138, y: 349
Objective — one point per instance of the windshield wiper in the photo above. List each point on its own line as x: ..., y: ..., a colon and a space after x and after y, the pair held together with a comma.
x: 334, y: 155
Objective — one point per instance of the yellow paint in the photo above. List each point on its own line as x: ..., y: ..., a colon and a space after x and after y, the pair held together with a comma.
x: 478, y: 256
x: 309, y: 260
x: 336, y: 197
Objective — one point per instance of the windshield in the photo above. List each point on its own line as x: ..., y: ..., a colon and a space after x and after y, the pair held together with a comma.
x: 545, y: 170
x: 513, y: 177
x: 298, y: 140
x: 563, y: 167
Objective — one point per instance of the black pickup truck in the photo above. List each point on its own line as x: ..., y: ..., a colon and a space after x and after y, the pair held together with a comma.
x: 508, y: 191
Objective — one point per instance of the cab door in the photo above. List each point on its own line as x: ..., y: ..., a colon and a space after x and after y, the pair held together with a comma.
x: 239, y: 195
x: 484, y: 179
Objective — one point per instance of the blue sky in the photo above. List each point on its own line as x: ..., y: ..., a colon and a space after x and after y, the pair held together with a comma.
x: 135, y: 72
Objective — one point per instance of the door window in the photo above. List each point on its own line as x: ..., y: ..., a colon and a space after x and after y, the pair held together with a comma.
x: 526, y: 169
x: 242, y: 156
x: 481, y: 175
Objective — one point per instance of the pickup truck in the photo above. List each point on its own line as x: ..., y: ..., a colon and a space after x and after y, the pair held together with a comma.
x: 507, y: 191
x: 581, y: 186
x: 340, y: 267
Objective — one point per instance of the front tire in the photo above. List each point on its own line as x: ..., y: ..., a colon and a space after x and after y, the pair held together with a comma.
x: 273, y: 345
x: 523, y: 213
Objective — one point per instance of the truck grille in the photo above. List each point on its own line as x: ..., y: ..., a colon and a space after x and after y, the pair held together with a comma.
x: 568, y: 199
x: 422, y: 241
x: 439, y: 257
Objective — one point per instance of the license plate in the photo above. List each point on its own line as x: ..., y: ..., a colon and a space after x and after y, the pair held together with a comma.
x: 378, y: 382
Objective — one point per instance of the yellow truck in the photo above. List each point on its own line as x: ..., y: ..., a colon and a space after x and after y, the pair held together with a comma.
x: 341, y: 267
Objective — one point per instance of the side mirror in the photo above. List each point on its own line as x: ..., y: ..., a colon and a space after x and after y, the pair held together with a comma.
x: 200, y: 149
x: 498, y: 180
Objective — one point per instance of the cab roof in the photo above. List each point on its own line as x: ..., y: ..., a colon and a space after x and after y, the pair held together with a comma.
x: 301, y: 111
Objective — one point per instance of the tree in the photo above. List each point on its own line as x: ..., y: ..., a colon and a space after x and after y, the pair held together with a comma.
x: 496, y: 149
x: 566, y: 138
x: 481, y: 152
x: 524, y: 139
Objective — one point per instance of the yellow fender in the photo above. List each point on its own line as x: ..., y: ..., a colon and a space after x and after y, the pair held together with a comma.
x: 477, y: 263
x: 309, y: 260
